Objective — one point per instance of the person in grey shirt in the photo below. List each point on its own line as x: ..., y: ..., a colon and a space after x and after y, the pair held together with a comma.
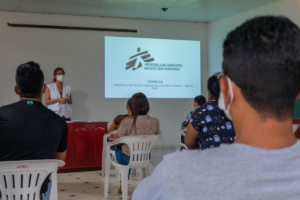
x: 259, y: 87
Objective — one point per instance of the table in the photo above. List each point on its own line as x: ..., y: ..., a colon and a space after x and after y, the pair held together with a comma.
x: 85, y: 144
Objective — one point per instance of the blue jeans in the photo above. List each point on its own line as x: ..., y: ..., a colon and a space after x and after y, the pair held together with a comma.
x: 46, y: 196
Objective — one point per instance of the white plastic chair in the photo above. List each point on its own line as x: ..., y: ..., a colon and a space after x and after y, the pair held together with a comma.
x: 133, y: 170
x: 105, y: 136
x: 179, y: 144
x: 140, y: 147
x: 118, y: 176
x: 22, y: 180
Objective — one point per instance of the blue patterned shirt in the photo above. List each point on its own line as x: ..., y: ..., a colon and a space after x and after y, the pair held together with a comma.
x: 213, y: 127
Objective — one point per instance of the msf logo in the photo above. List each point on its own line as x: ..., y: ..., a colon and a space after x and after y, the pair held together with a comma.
x: 138, y: 60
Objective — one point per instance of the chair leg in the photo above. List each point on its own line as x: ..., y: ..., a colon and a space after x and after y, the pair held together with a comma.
x: 107, y: 172
x: 103, y: 162
x: 124, y: 177
x: 141, y: 172
x: 144, y: 172
x: 150, y: 169
x: 103, y: 155
x: 133, y: 171
x: 117, y: 175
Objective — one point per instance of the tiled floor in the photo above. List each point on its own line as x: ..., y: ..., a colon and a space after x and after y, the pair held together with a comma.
x: 90, y: 186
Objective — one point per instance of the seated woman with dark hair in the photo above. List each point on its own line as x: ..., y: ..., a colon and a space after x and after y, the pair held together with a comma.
x: 198, y: 101
x: 209, y: 127
x: 140, y: 123
x: 117, y: 121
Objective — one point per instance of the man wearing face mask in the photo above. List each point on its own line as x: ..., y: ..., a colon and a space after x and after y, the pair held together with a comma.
x: 58, y: 98
x: 259, y: 87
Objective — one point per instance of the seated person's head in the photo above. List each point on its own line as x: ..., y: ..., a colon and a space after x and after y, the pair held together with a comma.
x: 139, y: 104
x: 128, y: 107
x: 213, y: 87
x: 261, y: 66
x: 198, y: 101
x: 30, y: 81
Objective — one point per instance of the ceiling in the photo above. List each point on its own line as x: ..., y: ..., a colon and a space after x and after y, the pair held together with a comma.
x: 178, y: 10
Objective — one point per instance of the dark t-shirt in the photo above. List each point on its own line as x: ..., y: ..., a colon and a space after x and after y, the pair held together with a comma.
x: 213, y: 127
x: 30, y: 131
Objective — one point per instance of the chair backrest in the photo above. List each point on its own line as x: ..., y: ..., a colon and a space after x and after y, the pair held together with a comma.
x: 22, y: 180
x: 140, y: 147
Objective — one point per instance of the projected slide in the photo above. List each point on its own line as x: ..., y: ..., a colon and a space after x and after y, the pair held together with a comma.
x: 159, y: 68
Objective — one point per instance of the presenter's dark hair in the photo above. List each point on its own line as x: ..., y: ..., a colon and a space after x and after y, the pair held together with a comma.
x: 139, y: 105
x: 29, y: 80
x: 55, y: 73
x: 129, y: 104
x: 213, y: 85
x: 262, y: 57
x: 200, y: 100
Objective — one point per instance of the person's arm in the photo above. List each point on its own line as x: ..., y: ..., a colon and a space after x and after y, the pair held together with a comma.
x: 112, y: 127
x: 48, y: 100
x: 190, y: 138
x: 61, y: 155
x: 120, y: 132
x: 69, y: 100
x: 113, y: 138
x: 186, y: 122
x: 116, y: 136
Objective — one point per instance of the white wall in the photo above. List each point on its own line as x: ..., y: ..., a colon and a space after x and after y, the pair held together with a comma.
x: 219, y: 29
x: 81, y: 54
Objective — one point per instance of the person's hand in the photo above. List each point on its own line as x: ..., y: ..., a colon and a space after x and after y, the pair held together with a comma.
x: 111, y: 138
x: 62, y: 100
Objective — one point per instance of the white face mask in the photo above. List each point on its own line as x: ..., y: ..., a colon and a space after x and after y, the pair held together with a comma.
x: 221, y: 101
x: 60, y: 78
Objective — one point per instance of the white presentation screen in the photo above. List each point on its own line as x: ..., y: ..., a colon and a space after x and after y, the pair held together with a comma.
x: 159, y: 68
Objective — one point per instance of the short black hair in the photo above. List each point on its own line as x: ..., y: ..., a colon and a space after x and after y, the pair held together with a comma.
x: 262, y: 57
x: 30, y: 80
x: 213, y: 86
x: 200, y: 100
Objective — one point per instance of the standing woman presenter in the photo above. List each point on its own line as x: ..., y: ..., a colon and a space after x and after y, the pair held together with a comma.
x: 58, y: 96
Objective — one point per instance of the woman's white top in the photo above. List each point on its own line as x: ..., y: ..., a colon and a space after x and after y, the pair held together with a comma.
x: 58, y: 108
